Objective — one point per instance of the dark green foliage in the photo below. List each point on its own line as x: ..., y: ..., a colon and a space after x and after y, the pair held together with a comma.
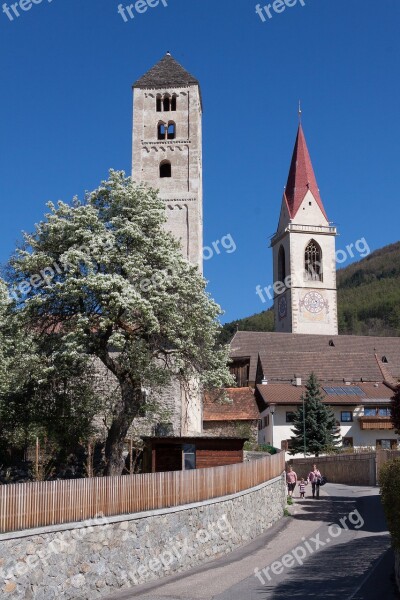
x: 389, y: 479
x: 259, y: 322
x: 396, y: 410
x: 321, y: 428
x: 368, y: 299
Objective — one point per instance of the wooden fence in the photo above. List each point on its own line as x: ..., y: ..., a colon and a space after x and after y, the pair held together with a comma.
x: 29, y: 505
x: 349, y: 469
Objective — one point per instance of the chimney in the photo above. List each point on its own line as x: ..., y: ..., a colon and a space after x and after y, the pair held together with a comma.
x: 297, y: 381
x: 264, y: 381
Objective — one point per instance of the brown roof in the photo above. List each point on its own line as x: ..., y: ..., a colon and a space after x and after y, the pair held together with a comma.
x: 285, y: 393
x: 286, y: 354
x: 239, y: 405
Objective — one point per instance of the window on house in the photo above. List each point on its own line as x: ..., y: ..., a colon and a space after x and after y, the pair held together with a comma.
x: 266, y: 421
x: 260, y: 424
x: 165, y: 169
x: 158, y: 104
x: 346, y: 416
x: 171, y: 131
x: 313, y: 262
x: 166, y: 103
x: 189, y: 457
x: 173, y: 102
x: 377, y: 411
x: 281, y: 264
x: 384, y: 412
x: 386, y: 444
x: 161, y: 131
x: 290, y: 416
x: 369, y: 412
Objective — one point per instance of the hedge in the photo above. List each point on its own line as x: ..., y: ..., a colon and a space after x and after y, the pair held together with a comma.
x: 389, y: 479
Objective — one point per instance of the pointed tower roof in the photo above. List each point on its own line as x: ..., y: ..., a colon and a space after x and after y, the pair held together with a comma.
x: 166, y: 73
x: 301, y: 177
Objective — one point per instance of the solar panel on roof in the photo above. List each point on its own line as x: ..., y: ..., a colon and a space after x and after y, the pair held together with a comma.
x: 353, y: 390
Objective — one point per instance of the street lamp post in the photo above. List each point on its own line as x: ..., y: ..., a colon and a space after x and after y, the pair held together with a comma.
x: 272, y: 410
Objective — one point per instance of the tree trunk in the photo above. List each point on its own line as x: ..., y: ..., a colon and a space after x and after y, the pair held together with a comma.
x: 125, y: 411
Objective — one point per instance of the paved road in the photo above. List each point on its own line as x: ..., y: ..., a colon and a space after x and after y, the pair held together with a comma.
x: 335, y: 548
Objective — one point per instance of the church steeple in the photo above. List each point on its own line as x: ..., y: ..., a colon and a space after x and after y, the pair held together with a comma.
x: 301, y: 177
x: 304, y: 253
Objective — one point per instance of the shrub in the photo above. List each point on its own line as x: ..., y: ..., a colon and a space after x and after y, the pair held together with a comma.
x: 389, y: 479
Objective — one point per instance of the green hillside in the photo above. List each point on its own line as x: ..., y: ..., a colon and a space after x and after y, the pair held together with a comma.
x: 368, y: 298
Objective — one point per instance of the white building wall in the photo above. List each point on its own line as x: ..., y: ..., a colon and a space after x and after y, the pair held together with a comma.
x: 282, y: 431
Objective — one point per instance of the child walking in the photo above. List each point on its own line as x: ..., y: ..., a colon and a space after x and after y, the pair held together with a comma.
x: 302, y: 487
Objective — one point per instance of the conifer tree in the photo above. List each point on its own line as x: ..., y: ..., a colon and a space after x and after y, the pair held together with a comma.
x: 320, y: 424
x: 396, y: 409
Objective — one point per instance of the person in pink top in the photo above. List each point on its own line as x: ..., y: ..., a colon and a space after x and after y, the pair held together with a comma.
x: 291, y: 480
x: 314, y: 477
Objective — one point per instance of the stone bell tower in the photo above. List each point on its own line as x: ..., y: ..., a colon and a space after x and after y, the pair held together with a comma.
x: 167, y: 154
x: 304, y: 254
x: 167, y: 148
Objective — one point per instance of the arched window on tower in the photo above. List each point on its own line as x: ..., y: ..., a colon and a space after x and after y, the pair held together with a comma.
x: 281, y: 264
x: 165, y: 169
x: 313, y: 262
x: 167, y: 103
x: 161, y: 131
x: 158, y: 103
x: 173, y: 102
x: 171, y: 130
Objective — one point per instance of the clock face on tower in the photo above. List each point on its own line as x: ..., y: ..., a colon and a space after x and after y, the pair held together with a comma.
x: 282, y: 307
x: 313, y: 302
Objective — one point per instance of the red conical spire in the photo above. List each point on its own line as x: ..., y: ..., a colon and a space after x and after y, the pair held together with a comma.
x: 301, y: 177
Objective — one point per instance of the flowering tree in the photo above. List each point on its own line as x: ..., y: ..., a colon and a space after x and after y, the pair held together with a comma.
x: 102, y: 277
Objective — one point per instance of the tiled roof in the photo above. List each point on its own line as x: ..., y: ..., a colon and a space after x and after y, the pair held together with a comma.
x: 285, y: 393
x: 286, y: 354
x: 327, y: 366
x: 301, y: 177
x: 166, y: 73
x: 241, y: 406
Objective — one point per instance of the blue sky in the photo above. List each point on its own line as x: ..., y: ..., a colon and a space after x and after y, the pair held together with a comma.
x: 67, y: 67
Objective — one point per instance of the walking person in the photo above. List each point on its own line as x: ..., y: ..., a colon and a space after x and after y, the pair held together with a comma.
x: 314, y: 477
x: 291, y: 480
x: 302, y: 487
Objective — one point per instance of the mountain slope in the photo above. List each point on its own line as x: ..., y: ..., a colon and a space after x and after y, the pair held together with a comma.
x: 368, y: 298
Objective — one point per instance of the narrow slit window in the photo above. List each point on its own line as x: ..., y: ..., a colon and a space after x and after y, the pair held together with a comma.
x: 158, y: 104
x: 161, y: 130
x: 173, y: 103
x: 165, y: 169
x: 171, y: 131
x: 167, y: 104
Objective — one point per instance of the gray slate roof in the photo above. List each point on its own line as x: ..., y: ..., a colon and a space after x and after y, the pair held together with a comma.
x: 166, y: 73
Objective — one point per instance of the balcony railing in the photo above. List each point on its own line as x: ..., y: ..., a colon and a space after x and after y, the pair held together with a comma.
x: 376, y: 423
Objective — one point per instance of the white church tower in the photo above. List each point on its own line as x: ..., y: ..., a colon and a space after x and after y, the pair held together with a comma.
x: 167, y: 148
x: 167, y: 154
x: 304, y: 254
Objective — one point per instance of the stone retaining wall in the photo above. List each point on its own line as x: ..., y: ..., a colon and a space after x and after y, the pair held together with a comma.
x: 94, y: 559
